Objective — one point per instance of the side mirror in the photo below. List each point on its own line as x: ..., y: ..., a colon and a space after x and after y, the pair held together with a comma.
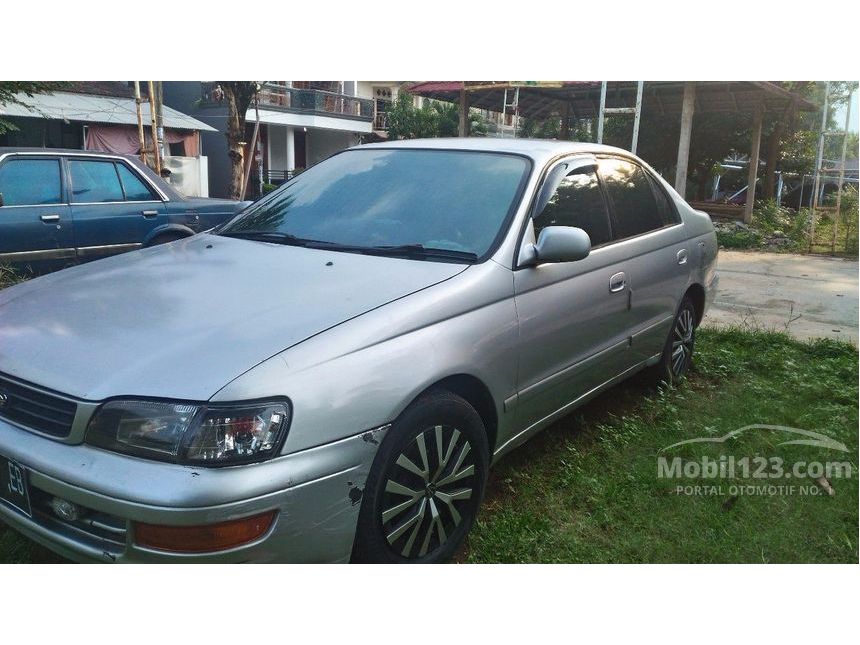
x: 562, y: 244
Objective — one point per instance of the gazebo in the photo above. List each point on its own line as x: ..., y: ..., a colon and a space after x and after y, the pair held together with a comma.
x: 596, y: 99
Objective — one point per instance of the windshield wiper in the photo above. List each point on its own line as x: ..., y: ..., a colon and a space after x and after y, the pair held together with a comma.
x: 276, y: 237
x: 421, y: 251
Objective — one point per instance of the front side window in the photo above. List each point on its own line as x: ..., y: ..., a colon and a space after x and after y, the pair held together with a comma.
x: 628, y: 188
x: 578, y: 201
x: 30, y: 182
x: 376, y: 200
x: 95, y: 181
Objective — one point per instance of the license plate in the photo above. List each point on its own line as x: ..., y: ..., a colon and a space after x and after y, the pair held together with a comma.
x: 13, y: 485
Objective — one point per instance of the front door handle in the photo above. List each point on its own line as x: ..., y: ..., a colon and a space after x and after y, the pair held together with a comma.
x: 617, y: 282
x: 49, y: 218
x: 682, y: 256
x: 149, y: 213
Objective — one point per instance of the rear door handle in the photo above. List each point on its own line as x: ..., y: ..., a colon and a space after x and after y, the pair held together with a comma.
x: 617, y: 282
x: 149, y: 213
x: 682, y: 256
x: 49, y: 218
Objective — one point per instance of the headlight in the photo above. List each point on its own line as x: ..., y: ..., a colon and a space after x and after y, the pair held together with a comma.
x: 207, y: 435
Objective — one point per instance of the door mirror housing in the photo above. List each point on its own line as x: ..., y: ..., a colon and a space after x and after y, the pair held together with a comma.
x: 561, y: 244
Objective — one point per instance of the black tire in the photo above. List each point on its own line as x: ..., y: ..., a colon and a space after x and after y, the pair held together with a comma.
x: 673, y: 366
x: 164, y: 238
x: 439, y: 505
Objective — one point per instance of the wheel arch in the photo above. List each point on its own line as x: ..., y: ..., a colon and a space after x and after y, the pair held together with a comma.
x: 475, y: 392
x: 167, y: 229
x: 696, y: 292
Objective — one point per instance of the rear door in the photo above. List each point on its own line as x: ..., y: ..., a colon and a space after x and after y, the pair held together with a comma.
x: 113, y: 207
x: 35, y: 224
x: 648, y: 230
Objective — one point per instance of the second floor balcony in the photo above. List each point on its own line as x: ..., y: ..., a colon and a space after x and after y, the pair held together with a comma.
x: 303, y: 101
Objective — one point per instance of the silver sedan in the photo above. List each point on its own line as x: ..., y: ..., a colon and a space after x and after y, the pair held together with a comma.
x: 330, y: 375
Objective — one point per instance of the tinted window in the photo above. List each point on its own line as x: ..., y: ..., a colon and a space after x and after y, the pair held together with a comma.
x: 442, y: 199
x: 135, y: 189
x: 665, y: 207
x: 578, y: 201
x: 95, y: 181
x: 30, y: 182
x: 629, y: 191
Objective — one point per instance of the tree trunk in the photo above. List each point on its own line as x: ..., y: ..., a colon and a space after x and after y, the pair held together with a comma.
x: 772, y: 150
x: 238, y: 95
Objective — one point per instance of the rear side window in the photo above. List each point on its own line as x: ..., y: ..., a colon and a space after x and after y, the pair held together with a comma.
x: 628, y: 188
x: 578, y: 201
x: 95, y: 181
x: 30, y: 182
x: 665, y: 207
x: 135, y: 189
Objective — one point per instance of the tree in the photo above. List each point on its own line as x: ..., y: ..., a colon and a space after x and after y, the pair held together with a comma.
x: 10, y: 92
x: 434, y: 119
x: 238, y: 95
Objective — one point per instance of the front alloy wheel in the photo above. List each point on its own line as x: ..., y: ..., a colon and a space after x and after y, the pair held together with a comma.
x: 426, y: 483
x: 427, y: 491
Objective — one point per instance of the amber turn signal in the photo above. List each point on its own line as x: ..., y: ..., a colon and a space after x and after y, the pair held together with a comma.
x: 204, y: 538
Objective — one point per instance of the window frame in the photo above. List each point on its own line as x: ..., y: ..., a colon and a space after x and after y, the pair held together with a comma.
x: 653, y: 185
x: 13, y: 157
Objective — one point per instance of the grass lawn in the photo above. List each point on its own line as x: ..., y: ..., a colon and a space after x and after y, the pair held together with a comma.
x: 586, y: 490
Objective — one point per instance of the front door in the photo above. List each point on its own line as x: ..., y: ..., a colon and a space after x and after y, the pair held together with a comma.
x: 573, y: 316
x: 35, y: 224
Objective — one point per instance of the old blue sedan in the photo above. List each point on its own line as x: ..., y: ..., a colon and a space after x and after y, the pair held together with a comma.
x: 60, y: 207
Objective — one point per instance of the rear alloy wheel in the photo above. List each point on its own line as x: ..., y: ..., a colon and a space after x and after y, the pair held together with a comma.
x: 426, y: 483
x: 678, y: 351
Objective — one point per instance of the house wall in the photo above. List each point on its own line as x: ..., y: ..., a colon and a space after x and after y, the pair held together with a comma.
x: 185, y: 97
x: 322, y: 144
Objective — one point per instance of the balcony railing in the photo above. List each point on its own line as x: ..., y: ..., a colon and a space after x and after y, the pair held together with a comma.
x: 290, y: 99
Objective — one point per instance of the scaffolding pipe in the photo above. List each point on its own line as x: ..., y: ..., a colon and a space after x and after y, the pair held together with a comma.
x: 837, y: 215
x: 637, y: 116
x: 818, y: 160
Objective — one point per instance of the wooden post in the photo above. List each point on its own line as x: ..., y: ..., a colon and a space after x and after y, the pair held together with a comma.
x: 154, y: 119
x: 140, y: 133
x: 752, y: 174
x: 463, y: 130
x: 687, y: 109
x: 251, y: 153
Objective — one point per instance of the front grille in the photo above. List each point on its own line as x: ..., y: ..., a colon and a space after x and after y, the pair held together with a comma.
x: 35, y: 408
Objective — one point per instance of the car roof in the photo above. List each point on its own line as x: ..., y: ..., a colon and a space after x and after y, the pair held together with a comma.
x: 540, y: 150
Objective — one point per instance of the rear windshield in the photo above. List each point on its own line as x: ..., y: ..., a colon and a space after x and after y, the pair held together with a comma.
x: 376, y: 198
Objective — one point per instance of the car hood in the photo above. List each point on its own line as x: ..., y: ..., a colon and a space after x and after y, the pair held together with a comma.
x: 181, y: 320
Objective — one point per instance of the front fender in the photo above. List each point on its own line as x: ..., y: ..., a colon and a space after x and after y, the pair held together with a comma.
x: 363, y: 373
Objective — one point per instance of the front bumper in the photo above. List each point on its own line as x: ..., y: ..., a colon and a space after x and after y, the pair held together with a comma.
x: 316, y: 492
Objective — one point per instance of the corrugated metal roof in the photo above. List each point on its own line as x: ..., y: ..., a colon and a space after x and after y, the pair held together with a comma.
x: 88, y: 108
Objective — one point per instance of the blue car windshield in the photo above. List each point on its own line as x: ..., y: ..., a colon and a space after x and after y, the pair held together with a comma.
x: 392, y: 201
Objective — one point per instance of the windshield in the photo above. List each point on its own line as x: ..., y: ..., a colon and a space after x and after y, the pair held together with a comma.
x: 392, y: 201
